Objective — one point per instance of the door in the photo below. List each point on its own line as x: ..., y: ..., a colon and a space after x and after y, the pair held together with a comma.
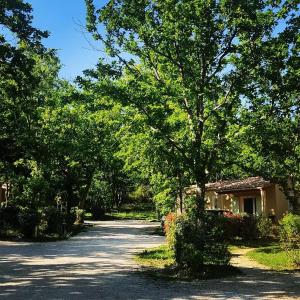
x: 249, y: 206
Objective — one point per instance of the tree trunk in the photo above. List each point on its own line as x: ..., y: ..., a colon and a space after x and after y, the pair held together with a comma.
x: 295, y: 201
x: 85, y: 192
x: 180, y: 192
x: 200, y: 194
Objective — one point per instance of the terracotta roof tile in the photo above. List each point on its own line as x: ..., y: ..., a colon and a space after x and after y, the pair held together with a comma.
x: 250, y: 183
x: 222, y: 186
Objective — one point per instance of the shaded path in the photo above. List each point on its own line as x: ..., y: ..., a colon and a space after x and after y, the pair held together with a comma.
x: 97, y: 264
x: 246, y: 264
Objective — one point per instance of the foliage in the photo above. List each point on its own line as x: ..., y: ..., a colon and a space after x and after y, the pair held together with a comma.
x: 192, y: 91
x: 267, y: 142
x: 197, y: 245
x: 140, y: 194
x: 265, y: 227
x: 247, y: 227
x: 29, y: 220
x: 241, y: 226
x: 290, y: 237
x: 54, y: 219
x: 9, y: 217
x: 191, y: 76
x: 181, y: 79
x: 170, y: 228
x: 79, y: 216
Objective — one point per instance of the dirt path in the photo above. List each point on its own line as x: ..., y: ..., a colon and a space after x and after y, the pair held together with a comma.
x: 98, y: 264
x: 243, y: 262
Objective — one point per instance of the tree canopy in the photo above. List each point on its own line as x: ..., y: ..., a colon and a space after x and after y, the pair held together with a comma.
x: 188, y: 92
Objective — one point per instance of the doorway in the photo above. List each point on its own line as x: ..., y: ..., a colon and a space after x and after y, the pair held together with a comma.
x: 249, y: 205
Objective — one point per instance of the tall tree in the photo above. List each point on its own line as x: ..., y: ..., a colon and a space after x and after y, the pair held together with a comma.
x: 20, y: 53
x: 271, y: 116
x: 180, y: 63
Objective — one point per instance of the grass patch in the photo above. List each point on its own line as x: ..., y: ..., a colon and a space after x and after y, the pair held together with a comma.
x: 134, y: 215
x: 159, y: 262
x: 158, y: 257
x: 244, y: 244
x: 273, y: 257
x: 266, y: 252
x: 88, y: 216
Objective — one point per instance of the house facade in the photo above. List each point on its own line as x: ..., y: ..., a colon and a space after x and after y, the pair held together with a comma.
x: 253, y: 195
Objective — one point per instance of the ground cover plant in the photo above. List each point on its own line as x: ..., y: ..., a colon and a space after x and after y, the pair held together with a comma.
x: 273, y: 257
x: 290, y: 237
x: 158, y: 257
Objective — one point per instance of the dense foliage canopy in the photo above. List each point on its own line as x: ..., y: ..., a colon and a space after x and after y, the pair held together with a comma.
x: 188, y: 92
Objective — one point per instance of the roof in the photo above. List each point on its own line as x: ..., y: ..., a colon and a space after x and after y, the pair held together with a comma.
x: 235, y: 185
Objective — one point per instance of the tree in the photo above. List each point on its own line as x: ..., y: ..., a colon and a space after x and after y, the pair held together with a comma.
x: 181, y: 69
x: 271, y: 116
x: 21, y: 52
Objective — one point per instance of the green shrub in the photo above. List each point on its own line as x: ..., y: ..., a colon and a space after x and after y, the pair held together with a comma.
x: 290, y: 237
x: 28, y: 219
x: 9, y: 217
x: 264, y: 227
x: 79, y: 216
x: 242, y: 226
x: 98, y: 212
x: 70, y: 219
x: 54, y: 220
x: 247, y: 227
x: 200, y: 243
x: 169, y: 229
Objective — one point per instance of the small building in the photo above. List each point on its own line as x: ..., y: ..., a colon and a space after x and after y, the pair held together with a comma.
x: 253, y: 195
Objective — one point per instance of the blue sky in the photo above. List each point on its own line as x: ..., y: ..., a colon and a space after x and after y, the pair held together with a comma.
x: 63, y: 19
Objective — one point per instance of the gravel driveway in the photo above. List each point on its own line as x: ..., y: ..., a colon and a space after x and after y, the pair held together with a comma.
x: 98, y: 264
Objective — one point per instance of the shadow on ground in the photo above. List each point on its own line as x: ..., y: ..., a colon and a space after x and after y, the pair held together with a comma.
x: 97, y: 264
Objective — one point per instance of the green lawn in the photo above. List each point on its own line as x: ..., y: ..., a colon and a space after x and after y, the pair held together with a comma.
x: 158, y: 257
x: 273, y: 257
x: 268, y: 253
x: 244, y: 244
x: 136, y: 215
x: 159, y: 262
x: 148, y: 215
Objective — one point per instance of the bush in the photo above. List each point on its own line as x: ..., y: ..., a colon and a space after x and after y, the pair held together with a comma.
x: 290, y: 237
x: 200, y: 243
x: 264, y: 227
x: 54, y: 220
x: 79, y: 216
x: 231, y: 226
x: 247, y: 227
x: 169, y: 229
x: 9, y: 217
x: 70, y: 219
x: 98, y: 212
x: 28, y: 219
x: 239, y: 226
